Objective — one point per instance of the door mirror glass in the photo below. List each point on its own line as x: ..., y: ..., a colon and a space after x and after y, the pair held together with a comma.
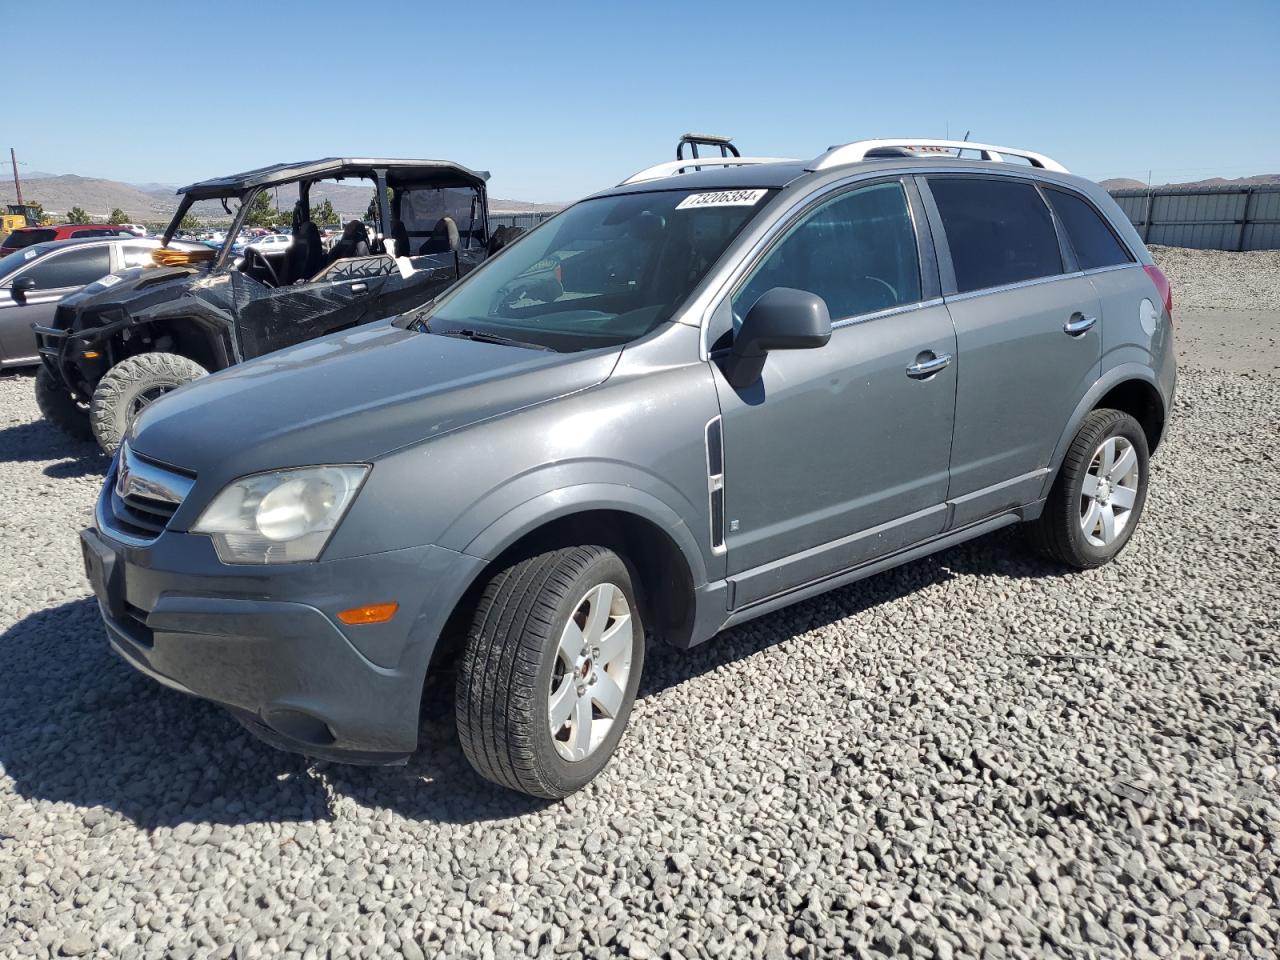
x: 781, y: 319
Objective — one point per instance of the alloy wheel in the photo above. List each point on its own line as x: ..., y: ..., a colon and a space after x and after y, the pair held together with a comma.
x: 593, y: 664
x: 1109, y: 491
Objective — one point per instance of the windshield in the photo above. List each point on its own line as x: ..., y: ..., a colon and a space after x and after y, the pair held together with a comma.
x: 604, y: 272
x: 26, y: 238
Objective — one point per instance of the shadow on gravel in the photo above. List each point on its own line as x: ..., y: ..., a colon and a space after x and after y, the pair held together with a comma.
x: 38, y: 441
x: 79, y: 726
x: 1001, y: 554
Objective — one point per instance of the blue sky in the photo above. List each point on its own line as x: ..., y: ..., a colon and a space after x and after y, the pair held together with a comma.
x: 561, y: 99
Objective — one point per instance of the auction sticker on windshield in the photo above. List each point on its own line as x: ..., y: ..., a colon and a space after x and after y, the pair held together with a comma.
x: 722, y: 198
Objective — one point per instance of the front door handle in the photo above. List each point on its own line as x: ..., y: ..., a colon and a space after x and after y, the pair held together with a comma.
x: 359, y: 287
x: 924, y: 369
x: 1078, y: 325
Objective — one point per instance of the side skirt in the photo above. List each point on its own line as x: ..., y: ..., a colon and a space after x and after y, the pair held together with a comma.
x: 714, y: 593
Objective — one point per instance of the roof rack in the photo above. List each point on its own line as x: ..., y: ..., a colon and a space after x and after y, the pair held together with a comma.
x: 695, y: 140
x: 868, y: 149
x: 672, y: 167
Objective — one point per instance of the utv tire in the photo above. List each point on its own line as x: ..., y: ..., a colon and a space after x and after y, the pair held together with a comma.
x: 131, y: 385
x: 1098, y: 496
x: 555, y: 636
x: 60, y: 408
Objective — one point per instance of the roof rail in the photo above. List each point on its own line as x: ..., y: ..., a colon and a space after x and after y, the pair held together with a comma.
x: 865, y: 149
x: 673, y: 167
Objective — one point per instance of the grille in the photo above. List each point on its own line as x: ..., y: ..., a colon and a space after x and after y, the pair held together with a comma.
x: 142, y: 496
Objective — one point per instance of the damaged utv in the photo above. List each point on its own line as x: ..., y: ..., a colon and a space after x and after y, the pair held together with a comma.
x: 134, y: 335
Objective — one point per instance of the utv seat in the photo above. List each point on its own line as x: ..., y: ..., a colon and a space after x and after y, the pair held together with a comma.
x: 354, y: 242
x: 444, y: 238
x: 304, y: 257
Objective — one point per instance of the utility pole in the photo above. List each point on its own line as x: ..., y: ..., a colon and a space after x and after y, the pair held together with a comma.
x: 17, y: 184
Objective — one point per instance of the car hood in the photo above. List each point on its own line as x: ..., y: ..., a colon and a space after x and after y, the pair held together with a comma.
x: 350, y: 397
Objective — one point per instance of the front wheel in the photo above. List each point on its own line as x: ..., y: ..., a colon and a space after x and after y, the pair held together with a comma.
x: 1099, y: 494
x: 60, y: 408
x: 550, y: 671
x: 130, y: 387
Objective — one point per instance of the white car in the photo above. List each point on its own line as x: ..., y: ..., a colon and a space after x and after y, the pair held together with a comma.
x: 274, y: 243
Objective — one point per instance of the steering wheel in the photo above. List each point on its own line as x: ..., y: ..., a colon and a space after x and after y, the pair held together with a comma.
x: 251, y: 252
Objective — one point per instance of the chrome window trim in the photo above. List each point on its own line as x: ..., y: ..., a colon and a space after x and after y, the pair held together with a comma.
x: 1021, y: 284
x: 1109, y: 269
x: 890, y: 312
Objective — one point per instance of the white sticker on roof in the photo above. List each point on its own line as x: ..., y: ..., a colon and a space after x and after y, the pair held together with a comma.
x: 722, y: 198
x: 29, y: 254
x: 110, y: 280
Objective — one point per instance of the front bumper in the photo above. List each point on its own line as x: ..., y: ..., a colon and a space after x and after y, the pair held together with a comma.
x: 265, y: 643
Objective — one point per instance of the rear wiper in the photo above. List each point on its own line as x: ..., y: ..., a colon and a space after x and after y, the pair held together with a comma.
x: 482, y: 337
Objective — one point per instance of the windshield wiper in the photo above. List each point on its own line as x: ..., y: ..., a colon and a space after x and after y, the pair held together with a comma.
x: 483, y: 337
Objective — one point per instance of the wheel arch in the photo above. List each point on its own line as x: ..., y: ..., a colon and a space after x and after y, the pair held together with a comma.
x: 650, y: 536
x: 1130, y: 388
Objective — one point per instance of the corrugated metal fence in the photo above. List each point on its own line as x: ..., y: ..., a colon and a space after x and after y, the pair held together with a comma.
x: 526, y: 220
x: 1208, y: 218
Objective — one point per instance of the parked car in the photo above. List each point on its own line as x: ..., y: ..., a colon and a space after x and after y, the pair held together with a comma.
x: 721, y: 387
x: 273, y: 243
x: 112, y: 350
x: 28, y: 236
x: 35, y: 279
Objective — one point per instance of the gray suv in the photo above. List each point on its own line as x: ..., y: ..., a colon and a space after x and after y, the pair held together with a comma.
x: 723, y: 386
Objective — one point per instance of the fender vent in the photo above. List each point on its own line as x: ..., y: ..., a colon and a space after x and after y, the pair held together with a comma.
x: 715, y: 483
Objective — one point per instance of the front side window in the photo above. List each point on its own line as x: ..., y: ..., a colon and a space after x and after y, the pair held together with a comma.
x: 1094, y: 242
x: 602, y: 273
x: 998, y: 231
x: 857, y: 252
x: 72, y: 268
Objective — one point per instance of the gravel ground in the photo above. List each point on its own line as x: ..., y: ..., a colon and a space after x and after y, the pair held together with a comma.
x: 1221, y: 279
x: 972, y: 755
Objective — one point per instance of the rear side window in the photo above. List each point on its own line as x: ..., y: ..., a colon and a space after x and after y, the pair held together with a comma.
x: 998, y: 231
x: 71, y: 268
x: 1095, y: 244
x: 25, y: 238
x: 857, y: 252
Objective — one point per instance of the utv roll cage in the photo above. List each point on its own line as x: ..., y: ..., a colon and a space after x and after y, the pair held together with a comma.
x: 384, y: 174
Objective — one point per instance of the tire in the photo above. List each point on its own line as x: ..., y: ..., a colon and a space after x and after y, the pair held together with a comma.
x: 131, y: 385
x: 60, y: 408
x: 518, y: 662
x: 1060, y: 531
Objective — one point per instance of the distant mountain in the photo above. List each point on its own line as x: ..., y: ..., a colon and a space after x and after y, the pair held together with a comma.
x: 156, y: 202
x: 1127, y: 183
x: 1122, y: 183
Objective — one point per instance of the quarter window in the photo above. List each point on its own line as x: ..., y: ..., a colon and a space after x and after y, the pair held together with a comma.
x: 1094, y: 242
x: 857, y: 252
x: 74, y: 268
x: 998, y: 231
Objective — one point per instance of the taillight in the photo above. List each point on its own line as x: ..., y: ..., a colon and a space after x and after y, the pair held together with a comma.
x: 1162, y: 287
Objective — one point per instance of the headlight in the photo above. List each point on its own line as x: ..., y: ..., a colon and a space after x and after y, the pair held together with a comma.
x: 284, y: 516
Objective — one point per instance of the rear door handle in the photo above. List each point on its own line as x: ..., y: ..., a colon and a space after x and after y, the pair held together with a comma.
x: 1078, y: 325
x: 924, y: 369
x: 359, y: 287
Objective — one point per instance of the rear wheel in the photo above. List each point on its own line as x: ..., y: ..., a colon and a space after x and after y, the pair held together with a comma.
x: 550, y: 671
x: 131, y: 386
x: 60, y: 408
x: 1099, y: 494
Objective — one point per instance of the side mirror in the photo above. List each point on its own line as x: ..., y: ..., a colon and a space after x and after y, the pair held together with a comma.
x: 782, y: 319
x: 22, y: 286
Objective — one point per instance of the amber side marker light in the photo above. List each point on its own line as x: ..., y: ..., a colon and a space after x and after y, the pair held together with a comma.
x: 373, y: 613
